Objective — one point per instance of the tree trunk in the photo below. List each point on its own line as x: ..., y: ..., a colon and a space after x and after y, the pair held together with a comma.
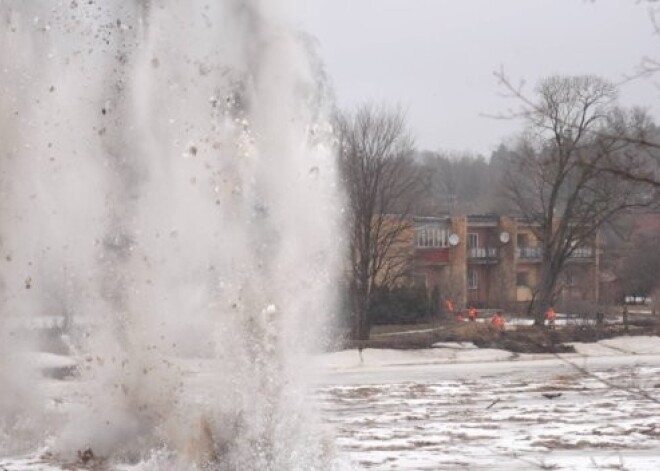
x: 545, y: 298
x: 360, y: 314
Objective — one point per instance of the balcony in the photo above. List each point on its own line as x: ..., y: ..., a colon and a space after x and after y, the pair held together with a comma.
x: 529, y: 253
x: 483, y: 254
x: 535, y: 253
x: 582, y: 253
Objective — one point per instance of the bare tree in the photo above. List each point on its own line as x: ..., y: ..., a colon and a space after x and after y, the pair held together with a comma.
x: 561, y: 179
x: 375, y: 152
x: 638, y: 162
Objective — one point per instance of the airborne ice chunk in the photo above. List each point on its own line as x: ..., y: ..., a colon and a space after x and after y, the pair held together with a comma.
x: 270, y: 309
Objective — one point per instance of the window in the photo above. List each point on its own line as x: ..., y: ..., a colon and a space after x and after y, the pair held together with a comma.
x: 473, y: 280
x: 522, y: 278
x: 430, y: 235
x: 473, y: 240
x: 522, y: 240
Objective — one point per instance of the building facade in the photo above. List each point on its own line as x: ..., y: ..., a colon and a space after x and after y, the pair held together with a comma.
x: 493, y: 262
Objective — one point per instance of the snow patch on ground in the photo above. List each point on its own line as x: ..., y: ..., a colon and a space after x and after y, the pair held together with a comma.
x: 455, y: 345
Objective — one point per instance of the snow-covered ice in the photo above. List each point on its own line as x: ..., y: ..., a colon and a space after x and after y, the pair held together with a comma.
x: 456, y: 407
x: 488, y: 411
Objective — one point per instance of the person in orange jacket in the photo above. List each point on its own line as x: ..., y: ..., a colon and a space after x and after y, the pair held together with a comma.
x: 497, y: 321
x: 551, y: 315
x: 472, y: 314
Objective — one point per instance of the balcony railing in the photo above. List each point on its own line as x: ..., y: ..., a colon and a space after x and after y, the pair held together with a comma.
x: 529, y: 252
x: 583, y: 252
x: 482, y: 252
x: 536, y: 252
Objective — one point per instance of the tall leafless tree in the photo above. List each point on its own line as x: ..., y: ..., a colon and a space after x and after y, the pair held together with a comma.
x: 639, y: 162
x: 561, y: 177
x: 381, y: 181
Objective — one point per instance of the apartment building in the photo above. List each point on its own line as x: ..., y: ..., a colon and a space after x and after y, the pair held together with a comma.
x: 493, y: 261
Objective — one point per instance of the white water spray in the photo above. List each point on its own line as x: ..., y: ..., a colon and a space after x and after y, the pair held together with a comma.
x: 167, y: 188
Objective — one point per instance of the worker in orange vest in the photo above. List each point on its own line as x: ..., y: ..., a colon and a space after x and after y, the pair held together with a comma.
x: 497, y: 321
x: 472, y: 314
x: 551, y: 315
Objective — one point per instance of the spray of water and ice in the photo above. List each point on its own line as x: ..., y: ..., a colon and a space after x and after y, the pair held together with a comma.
x: 167, y: 189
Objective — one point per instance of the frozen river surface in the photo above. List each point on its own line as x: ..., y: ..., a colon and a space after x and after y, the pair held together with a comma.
x: 461, y: 408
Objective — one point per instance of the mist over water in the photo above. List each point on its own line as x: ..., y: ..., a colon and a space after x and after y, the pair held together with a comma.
x: 168, y: 192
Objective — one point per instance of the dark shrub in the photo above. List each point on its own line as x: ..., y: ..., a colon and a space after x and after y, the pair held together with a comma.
x: 402, y: 305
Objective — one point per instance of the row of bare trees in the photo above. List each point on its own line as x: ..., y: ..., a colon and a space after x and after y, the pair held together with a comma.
x: 580, y: 161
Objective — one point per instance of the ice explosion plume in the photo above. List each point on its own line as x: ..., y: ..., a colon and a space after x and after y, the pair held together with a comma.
x: 168, y: 190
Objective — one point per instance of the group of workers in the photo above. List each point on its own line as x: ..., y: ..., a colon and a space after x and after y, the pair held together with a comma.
x: 497, y: 320
x: 471, y: 315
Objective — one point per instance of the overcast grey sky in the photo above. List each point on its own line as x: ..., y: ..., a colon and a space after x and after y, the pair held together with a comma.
x: 437, y: 57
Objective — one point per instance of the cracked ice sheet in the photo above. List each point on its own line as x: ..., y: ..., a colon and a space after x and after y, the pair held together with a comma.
x: 411, y: 418
x: 447, y: 425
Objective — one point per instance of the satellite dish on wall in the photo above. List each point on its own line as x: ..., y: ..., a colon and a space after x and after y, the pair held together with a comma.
x: 454, y: 240
x: 505, y: 237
